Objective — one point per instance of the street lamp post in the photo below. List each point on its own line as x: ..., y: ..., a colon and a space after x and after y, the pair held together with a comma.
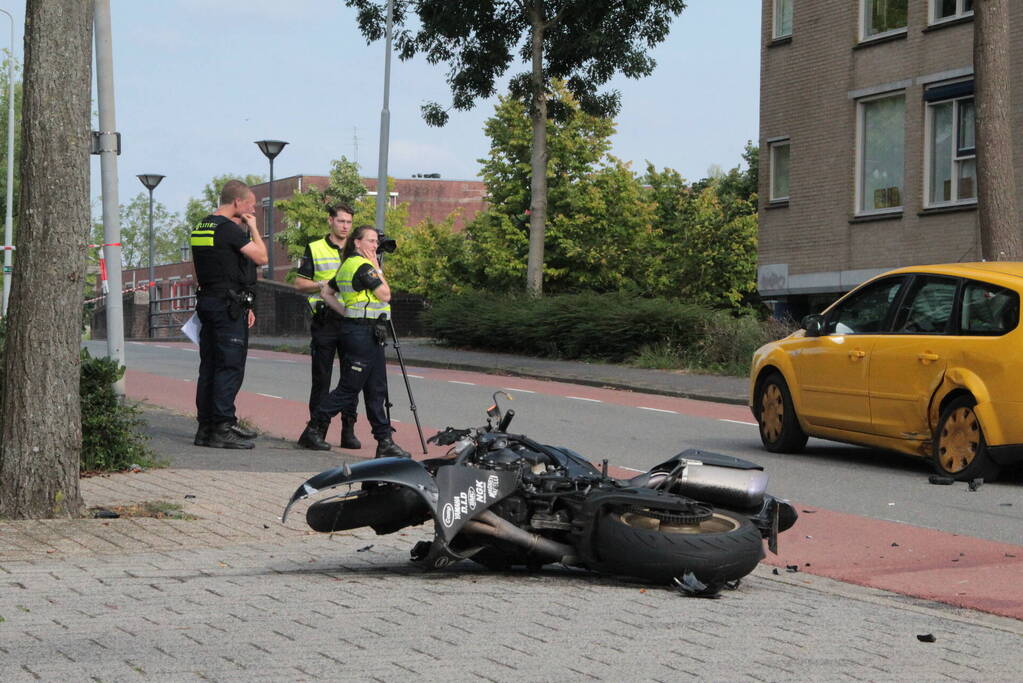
x: 8, y: 229
x: 270, y: 149
x: 151, y: 180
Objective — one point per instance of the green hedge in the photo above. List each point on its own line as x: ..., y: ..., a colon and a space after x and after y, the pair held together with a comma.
x: 113, y: 433
x: 613, y: 327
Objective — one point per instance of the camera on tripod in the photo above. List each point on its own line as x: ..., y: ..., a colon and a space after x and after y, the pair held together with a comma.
x: 386, y: 245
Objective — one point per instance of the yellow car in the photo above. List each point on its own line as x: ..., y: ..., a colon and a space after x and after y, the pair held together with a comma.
x: 923, y: 360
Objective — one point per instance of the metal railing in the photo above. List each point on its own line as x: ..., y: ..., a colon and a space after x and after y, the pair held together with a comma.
x: 174, y: 315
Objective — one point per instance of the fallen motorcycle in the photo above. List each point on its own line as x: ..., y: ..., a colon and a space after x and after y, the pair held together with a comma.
x: 504, y: 500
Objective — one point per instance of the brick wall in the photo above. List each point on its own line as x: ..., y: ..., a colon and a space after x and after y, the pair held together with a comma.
x: 805, y: 94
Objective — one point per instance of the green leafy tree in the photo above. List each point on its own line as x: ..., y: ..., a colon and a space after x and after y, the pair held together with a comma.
x: 168, y: 233
x: 209, y: 200
x: 582, y: 42
x: 305, y: 213
x: 432, y: 259
x: 598, y: 213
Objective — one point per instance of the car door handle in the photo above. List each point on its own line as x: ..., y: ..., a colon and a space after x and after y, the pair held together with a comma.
x: 856, y: 354
x: 925, y: 357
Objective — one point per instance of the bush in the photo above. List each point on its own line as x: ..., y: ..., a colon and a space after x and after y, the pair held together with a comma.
x: 614, y: 327
x: 113, y: 433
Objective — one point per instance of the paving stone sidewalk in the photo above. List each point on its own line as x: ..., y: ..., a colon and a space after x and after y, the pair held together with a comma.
x: 236, y: 595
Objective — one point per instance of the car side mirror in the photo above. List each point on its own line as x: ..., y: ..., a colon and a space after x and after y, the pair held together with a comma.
x: 814, y: 325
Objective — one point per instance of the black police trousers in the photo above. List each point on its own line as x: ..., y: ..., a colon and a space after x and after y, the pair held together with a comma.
x: 326, y: 343
x: 364, y: 369
x: 223, y: 346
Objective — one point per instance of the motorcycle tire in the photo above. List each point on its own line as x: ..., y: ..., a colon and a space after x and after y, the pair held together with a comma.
x: 721, y: 549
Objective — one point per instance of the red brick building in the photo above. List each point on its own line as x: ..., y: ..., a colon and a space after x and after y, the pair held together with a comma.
x: 427, y: 198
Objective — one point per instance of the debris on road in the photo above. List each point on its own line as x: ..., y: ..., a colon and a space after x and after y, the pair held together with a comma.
x: 792, y: 568
x: 692, y: 587
x: 940, y: 480
x: 926, y: 637
x: 364, y: 548
x: 975, y: 484
x: 103, y: 513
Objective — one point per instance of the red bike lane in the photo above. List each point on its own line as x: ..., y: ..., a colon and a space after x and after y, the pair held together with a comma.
x: 923, y: 563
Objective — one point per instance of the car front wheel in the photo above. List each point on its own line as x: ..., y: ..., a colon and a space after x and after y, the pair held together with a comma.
x: 779, y: 427
x: 960, y: 451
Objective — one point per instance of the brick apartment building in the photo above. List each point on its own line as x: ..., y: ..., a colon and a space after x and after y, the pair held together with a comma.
x: 866, y: 138
x: 426, y: 197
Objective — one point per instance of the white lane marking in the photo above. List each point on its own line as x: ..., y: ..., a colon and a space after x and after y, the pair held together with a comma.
x: 659, y: 410
x: 161, y: 346
x: 580, y: 398
x: 631, y: 469
x: 455, y: 381
x: 269, y: 395
x: 739, y: 422
x: 416, y: 376
x: 524, y: 391
x: 191, y: 350
x: 136, y: 342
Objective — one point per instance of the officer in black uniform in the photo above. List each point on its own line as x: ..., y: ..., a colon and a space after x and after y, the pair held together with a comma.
x: 226, y: 248
x: 320, y: 262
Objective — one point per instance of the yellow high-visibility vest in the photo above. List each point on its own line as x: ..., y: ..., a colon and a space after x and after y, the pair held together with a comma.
x: 326, y: 261
x: 361, y: 304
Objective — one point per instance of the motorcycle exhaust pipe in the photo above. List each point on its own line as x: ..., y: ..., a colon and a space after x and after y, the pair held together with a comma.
x: 490, y: 524
x: 726, y: 486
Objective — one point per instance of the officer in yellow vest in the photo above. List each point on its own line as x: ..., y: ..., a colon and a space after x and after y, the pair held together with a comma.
x: 319, y: 264
x: 364, y: 298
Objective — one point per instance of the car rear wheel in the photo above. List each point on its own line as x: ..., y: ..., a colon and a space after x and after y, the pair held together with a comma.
x: 960, y: 450
x: 779, y: 427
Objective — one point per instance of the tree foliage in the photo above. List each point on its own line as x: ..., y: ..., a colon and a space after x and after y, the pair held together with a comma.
x: 305, y: 213
x: 209, y: 199
x: 169, y: 233
x: 583, y: 43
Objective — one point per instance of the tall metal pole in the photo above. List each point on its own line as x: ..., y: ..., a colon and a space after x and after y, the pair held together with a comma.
x: 108, y: 173
x: 385, y: 127
x: 270, y: 227
x: 9, y: 219
x: 152, y: 265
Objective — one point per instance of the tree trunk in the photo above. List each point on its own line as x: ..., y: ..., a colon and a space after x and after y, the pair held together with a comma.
x: 538, y: 183
x: 42, y: 431
x: 996, y: 184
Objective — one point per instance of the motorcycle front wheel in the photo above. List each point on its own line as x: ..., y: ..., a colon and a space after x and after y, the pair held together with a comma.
x: 722, y: 546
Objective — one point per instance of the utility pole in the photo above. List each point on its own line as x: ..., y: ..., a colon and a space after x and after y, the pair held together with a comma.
x: 108, y: 148
x: 9, y: 219
x: 385, y: 127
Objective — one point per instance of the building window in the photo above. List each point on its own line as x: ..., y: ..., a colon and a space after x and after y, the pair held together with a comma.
x: 952, y: 176
x: 782, y: 18
x: 946, y: 10
x: 881, y: 153
x: 882, y: 17
x: 779, y: 171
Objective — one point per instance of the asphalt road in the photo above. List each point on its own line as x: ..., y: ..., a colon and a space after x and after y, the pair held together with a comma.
x: 638, y: 430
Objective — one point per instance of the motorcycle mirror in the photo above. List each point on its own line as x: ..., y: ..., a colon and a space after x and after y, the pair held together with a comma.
x: 495, y: 410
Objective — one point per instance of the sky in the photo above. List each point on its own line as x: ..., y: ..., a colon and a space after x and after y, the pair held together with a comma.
x: 198, y: 81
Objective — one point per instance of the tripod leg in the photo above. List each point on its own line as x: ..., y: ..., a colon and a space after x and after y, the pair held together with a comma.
x: 408, y: 387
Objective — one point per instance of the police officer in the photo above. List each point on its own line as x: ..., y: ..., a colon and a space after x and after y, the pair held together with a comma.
x: 365, y: 297
x: 319, y: 264
x: 226, y: 248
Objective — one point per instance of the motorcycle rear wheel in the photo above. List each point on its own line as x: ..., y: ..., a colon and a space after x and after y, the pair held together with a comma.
x: 723, y: 548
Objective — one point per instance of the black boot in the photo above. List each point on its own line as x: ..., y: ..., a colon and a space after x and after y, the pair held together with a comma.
x: 244, y: 432
x: 348, y: 438
x: 222, y: 436
x: 323, y: 427
x: 202, y: 435
x: 311, y: 438
x: 386, y: 448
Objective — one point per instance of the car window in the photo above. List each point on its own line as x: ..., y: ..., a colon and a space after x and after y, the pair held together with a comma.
x: 865, y: 311
x: 928, y: 307
x: 988, y: 309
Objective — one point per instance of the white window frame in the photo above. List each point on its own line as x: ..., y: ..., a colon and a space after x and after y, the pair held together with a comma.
x: 864, y: 38
x: 956, y: 159
x: 858, y: 209
x: 776, y: 19
x: 932, y: 13
x: 771, y: 146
